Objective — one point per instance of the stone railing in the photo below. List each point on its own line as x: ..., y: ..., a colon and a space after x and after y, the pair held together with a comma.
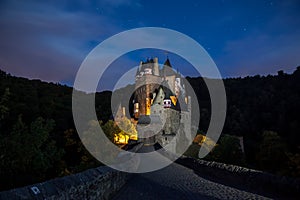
x: 243, y: 178
x: 104, y: 182
x: 99, y: 183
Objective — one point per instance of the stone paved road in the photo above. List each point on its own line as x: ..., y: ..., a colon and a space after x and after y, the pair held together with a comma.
x: 178, y: 182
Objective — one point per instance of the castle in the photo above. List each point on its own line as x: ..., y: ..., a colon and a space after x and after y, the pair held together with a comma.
x: 161, y: 109
x: 160, y: 99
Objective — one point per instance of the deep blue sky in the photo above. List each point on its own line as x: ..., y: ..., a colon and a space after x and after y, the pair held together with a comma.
x: 49, y: 40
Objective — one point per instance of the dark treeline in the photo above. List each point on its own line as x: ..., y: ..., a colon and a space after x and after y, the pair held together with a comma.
x: 38, y: 140
x: 265, y: 111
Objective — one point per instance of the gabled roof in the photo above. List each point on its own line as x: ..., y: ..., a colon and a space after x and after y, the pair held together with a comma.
x: 160, y: 95
x: 165, y: 93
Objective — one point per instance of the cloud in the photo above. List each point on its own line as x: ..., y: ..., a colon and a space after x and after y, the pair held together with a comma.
x: 49, y: 40
x: 40, y: 40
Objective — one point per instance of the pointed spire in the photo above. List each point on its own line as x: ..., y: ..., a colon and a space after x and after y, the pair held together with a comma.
x: 167, y: 62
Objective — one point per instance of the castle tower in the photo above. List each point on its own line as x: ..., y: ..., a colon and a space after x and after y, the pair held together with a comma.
x: 155, y: 67
x: 146, y: 83
x: 169, y: 74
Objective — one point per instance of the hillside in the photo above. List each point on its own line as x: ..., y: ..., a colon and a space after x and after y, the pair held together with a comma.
x: 263, y: 109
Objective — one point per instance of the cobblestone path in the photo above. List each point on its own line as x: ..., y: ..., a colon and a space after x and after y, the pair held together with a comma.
x: 178, y: 182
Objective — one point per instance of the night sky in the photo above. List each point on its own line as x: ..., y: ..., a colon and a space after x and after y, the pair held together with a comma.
x: 49, y: 40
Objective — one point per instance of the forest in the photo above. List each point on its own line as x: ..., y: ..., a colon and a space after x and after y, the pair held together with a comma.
x: 39, y: 141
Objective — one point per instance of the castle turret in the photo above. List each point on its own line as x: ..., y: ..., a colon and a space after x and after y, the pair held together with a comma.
x: 167, y: 68
x: 156, y: 67
x: 137, y: 75
x: 169, y: 74
x: 140, y: 66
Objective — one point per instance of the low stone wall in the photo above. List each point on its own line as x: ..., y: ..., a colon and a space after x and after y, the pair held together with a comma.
x: 99, y: 183
x: 243, y: 178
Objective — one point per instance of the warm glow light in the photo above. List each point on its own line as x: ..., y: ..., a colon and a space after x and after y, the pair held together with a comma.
x: 133, y: 137
x: 148, y: 104
x: 121, y: 139
x: 174, y: 100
